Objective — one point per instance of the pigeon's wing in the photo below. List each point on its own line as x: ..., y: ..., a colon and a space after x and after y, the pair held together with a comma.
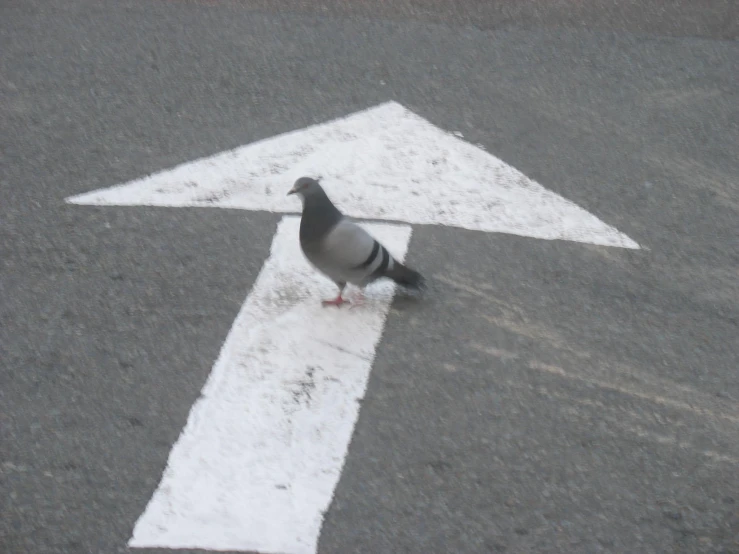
x: 349, y: 254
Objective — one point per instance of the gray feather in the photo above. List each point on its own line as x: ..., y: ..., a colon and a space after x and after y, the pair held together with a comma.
x: 341, y: 249
x: 349, y: 254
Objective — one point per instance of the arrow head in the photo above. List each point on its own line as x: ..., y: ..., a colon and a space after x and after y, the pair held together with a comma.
x: 384, y: 163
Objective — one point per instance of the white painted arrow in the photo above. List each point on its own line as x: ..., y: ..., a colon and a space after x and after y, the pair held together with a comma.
x: 384, y: 163
x: 257, y: 463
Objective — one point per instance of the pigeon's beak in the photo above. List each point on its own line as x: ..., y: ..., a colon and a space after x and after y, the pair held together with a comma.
x: 292, y: 191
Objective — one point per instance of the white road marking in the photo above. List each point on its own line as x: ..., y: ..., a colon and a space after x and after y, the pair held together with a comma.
x: 257, y: 463
x: 383, y: 163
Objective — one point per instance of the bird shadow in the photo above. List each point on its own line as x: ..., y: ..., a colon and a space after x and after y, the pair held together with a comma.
x: 406, y: 299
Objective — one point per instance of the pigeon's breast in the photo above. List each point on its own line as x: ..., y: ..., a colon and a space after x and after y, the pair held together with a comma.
x: 346, y: 254
x: 324, y: 262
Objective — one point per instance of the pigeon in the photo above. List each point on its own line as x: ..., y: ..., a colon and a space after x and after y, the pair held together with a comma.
x: 342, y: 250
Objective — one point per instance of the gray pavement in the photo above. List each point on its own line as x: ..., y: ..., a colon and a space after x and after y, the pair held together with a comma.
x: 547, y: 397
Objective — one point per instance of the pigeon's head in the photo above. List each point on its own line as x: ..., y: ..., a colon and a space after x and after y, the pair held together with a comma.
x: 306, y: 187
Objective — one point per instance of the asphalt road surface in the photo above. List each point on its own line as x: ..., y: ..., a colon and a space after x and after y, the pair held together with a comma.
x: 550, y: 396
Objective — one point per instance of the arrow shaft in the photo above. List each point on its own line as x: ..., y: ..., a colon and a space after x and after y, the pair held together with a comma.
x: 257, y: 463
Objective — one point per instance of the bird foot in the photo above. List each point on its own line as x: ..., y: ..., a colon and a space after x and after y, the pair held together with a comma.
x: 358, y: 300
x: 338, y: 301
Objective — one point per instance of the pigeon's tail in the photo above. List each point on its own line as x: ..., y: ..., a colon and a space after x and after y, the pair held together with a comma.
x: 406, y: 276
